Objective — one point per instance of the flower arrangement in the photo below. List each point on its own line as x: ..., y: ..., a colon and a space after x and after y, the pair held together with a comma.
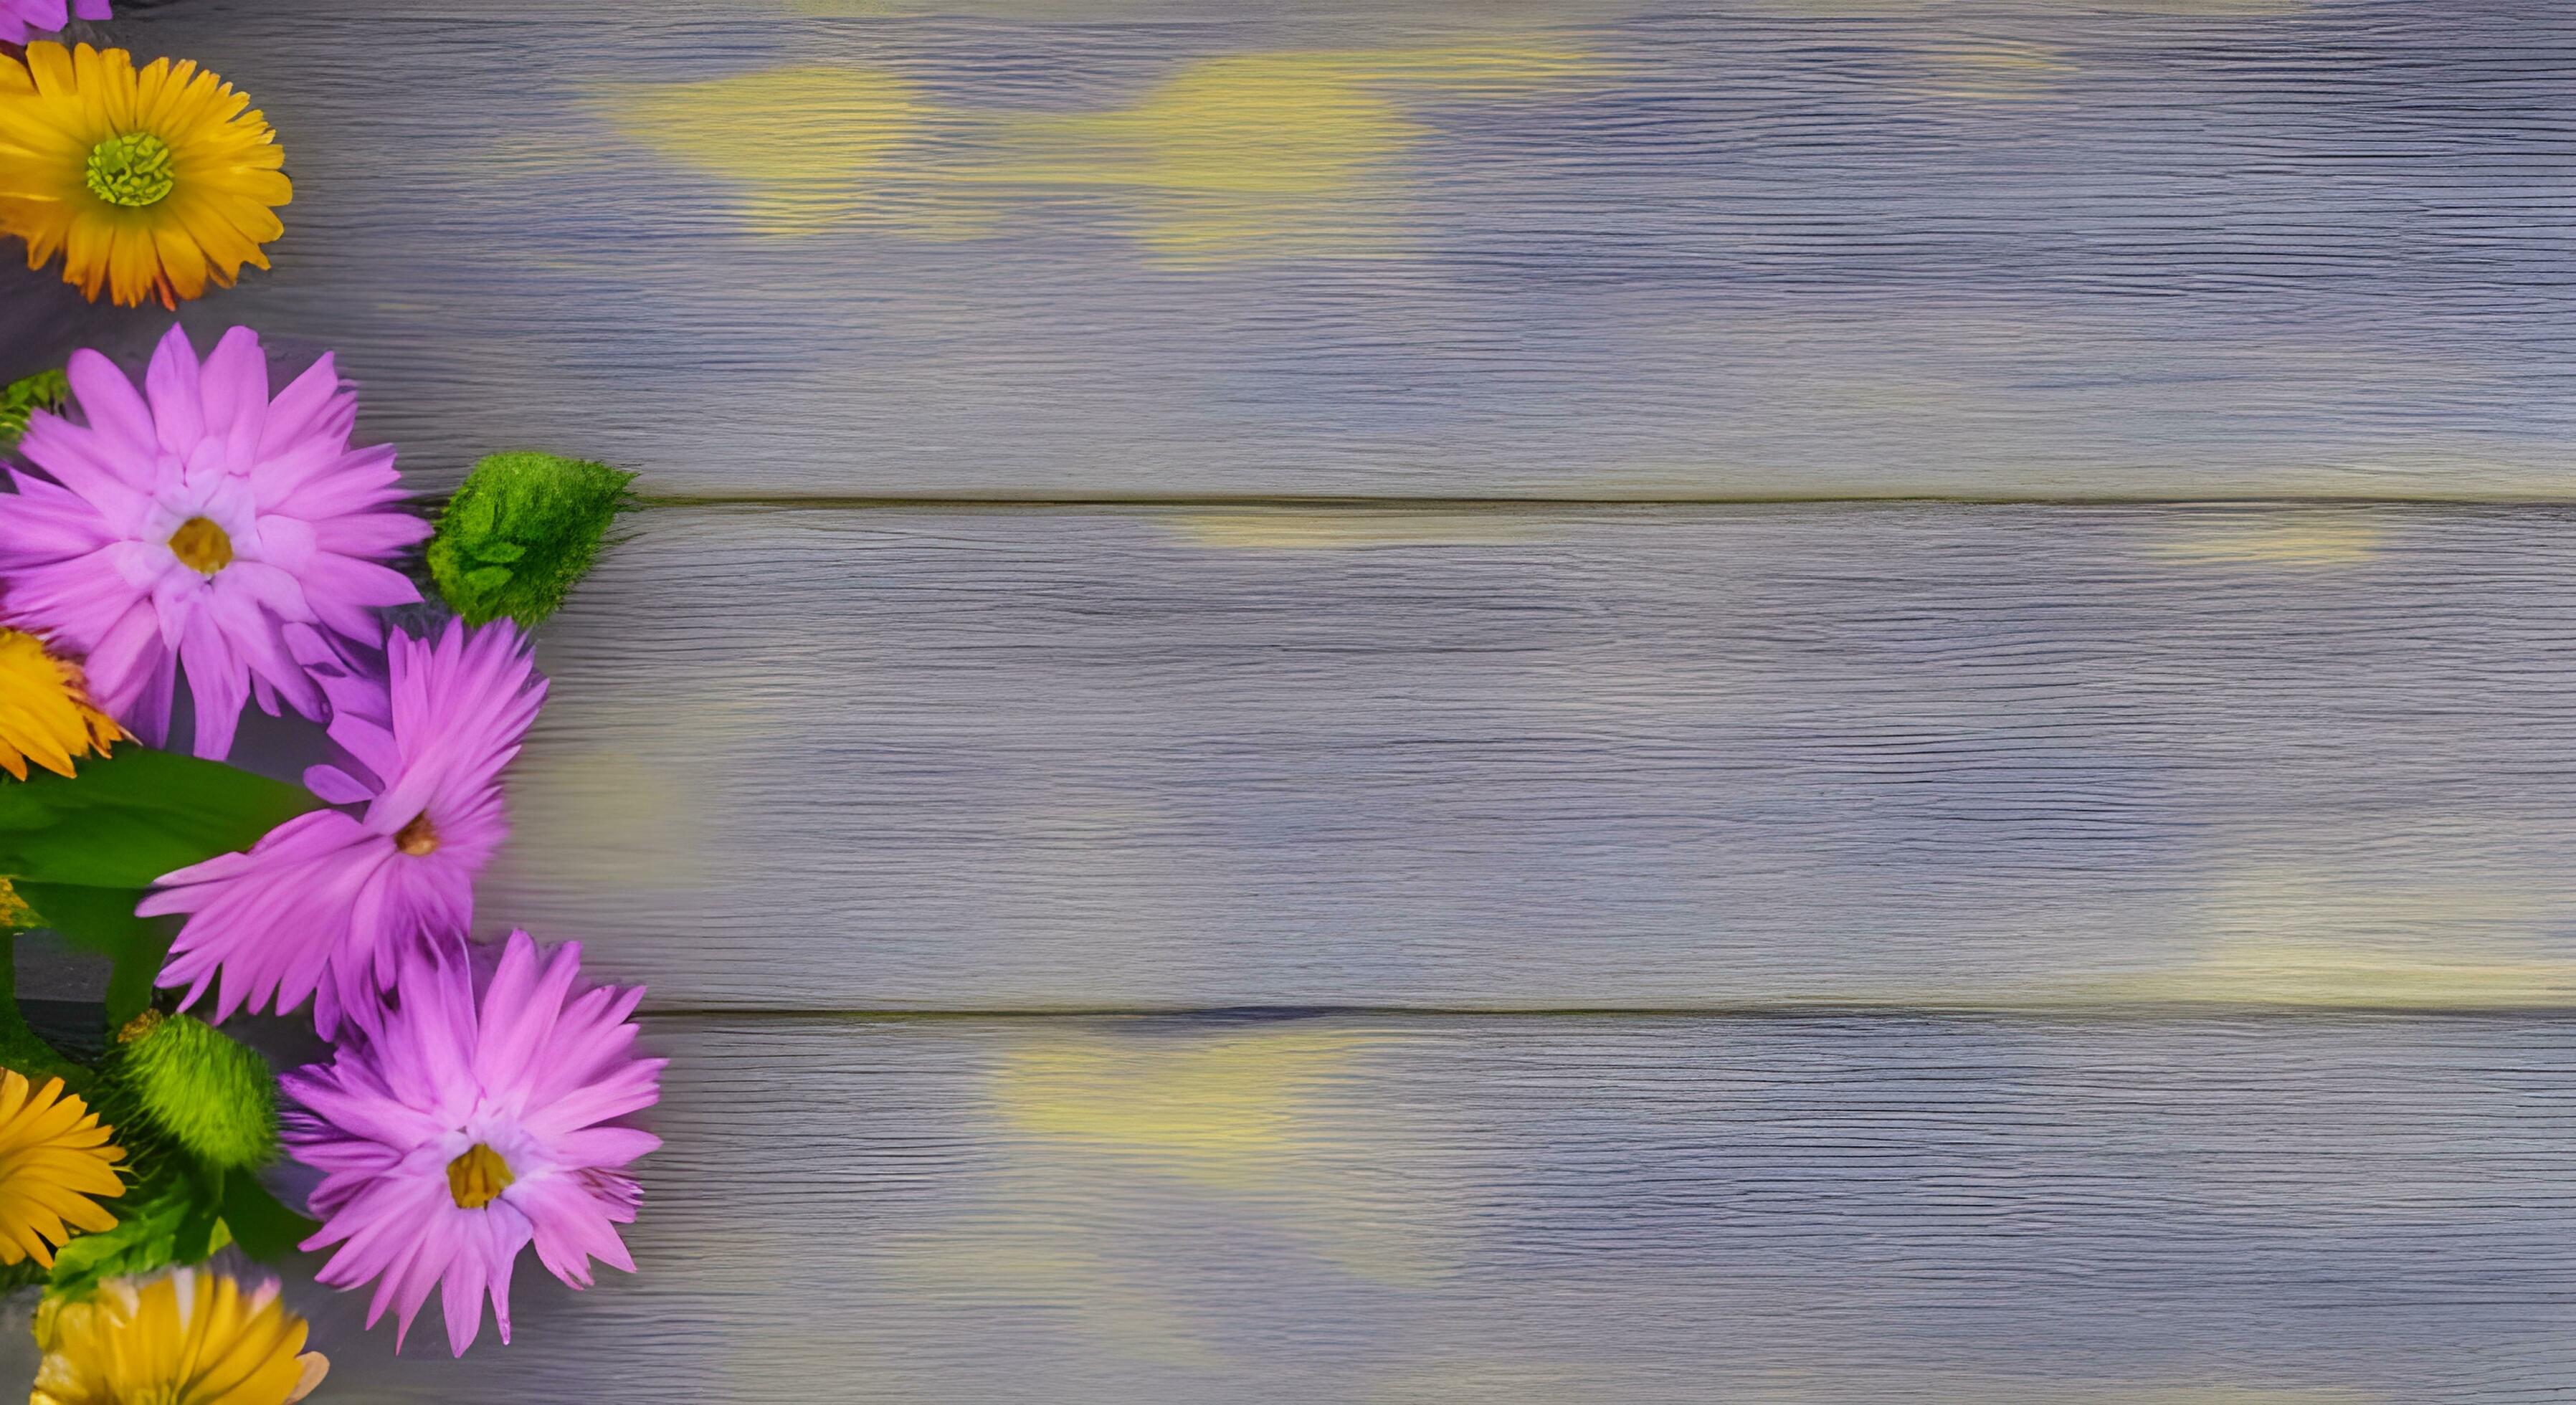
x: 203, y: 536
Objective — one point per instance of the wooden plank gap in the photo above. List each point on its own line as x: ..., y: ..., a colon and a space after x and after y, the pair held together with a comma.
x: 1294, y: 503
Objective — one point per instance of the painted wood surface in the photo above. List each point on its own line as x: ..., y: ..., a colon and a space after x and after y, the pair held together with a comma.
x: 1590, y: 248
x: 2214, y: 1212
x: 1975, y: 755
x: 2090, y: 765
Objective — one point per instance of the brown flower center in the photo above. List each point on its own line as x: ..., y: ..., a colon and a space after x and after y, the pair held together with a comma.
x: 478, y: 1177
x: 417, y: 838
x: 201, y: 546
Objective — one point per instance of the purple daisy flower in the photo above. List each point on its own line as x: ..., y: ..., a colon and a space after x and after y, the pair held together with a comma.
x: 326, y: 903
x: 19, y: 17
x: 198, y: 526
x: 481, y: 1118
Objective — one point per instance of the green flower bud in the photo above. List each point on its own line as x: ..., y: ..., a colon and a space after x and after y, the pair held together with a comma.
x: 521, y: 532
x: 45, y: 390
x: 212, y: 1096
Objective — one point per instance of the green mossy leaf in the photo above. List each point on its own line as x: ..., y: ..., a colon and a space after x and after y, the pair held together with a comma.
x: 522, y: 532
x: 45, y: 390
x: 477, y: 515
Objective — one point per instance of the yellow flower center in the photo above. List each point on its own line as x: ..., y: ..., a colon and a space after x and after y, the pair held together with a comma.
x: 417, y: 838
x: 478, y: 1177
x: 201, y: 546
x: 132, y: 170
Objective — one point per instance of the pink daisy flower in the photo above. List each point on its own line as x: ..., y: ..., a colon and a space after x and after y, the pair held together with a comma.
x: 200, y: 527
x: 481, y: 1118
x: 19, y: 17
x: 325, y: 904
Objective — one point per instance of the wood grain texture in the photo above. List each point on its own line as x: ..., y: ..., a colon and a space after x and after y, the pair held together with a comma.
x: 2253, y: 1212
x: 849, y: 760
x: 1130, y: 247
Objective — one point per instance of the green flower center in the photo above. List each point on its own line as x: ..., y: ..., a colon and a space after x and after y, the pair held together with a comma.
x: 132, y: 170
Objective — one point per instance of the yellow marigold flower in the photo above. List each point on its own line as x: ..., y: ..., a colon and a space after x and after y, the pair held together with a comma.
x: 151, y: 183
x: 15, y: 915
x: 189, y: 1337
x: 45, y: 714
x: 53, y: 1157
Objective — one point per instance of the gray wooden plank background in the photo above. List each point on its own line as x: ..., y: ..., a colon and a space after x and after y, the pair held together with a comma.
x: 2089, y: 765
x: 1592, y: 248
x: 1702, y: 756
x: 1884, y: 1209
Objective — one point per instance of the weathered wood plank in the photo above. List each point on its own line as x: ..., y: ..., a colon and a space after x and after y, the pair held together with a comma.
x: 835, y: 759
x: 1817, y: 1210
x: 2137, y: 247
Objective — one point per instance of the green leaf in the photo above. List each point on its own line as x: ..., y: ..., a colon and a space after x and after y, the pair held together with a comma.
x: 179, y: 1225
x: 21, y: 1048
x: 259, y: 1222
x: 124, y: 820
x: 499, y: 552
x: 81, y: 849
x: 103, y: 920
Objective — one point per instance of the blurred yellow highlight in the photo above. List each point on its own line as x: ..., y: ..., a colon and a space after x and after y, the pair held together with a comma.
x: 806, y: 143
x: 2037, y: 9
x: 1267, y: 152
x: 2298, y: 539
x: 2331, y: 937
x: 2355, y: 976
x: 1091, y: 1275
x: 2026, y: 1393
x: 1222, y: 1112
x: 1118, y: 1148
x: 1997, y: 72
x: 1263, y: 1119
x: 624, y: 800
x: 1272, y: 529
x: 1248, y: 155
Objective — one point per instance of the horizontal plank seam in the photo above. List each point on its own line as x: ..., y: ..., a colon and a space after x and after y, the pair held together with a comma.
x: 1324, y: 503
x: 2105, y: 1011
